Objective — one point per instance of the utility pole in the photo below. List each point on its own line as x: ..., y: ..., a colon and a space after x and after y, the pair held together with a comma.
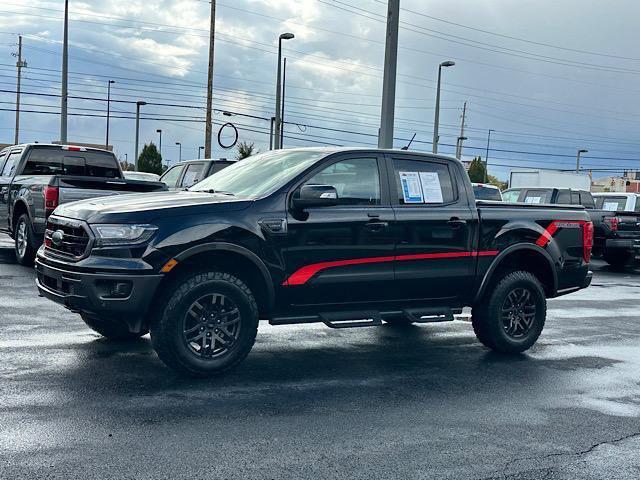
x: 486, y: 158
x: 387, y: 115
x: 209, y: 120
x: 109, y: 83
x: 138, y: 105
x: 65, y: 72
x: 461, y: 137
x: 582, y: 150
x: 20, y: 64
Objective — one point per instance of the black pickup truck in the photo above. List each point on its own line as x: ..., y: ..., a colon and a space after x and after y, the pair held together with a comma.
x: 346, y: 237
x: 36, y: 178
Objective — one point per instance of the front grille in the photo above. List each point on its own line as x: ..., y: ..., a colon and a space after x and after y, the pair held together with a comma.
x: 74, y: 242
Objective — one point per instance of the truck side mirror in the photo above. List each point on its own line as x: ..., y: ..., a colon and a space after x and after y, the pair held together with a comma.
x: 315, y: 196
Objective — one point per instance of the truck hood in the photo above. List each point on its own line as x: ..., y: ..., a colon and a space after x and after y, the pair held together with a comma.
x: 142, y: 208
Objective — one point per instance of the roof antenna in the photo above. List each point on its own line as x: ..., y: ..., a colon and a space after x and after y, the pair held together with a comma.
x: 406, y: 147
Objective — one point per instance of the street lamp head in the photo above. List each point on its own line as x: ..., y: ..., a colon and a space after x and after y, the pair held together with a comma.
x: 178, y: 143
x: 159, y: 130
x: 112, y: 81
x: 140, y: 103
x: 582, y: 150
x: 287, y: 36
x: 227, y: 114
x: 448, y: 63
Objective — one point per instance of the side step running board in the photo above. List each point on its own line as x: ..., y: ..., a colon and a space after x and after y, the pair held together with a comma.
x: 346, y: 319
x: 421, y: 315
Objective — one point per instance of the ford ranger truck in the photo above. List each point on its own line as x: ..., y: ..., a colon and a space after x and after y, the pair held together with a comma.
x: 345, y: 237
x: 35, y: 178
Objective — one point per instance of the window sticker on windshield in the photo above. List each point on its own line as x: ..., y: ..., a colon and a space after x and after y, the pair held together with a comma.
x: 533, y: 200
x: 610, y: 206
x: 411, y: 190
x: 431, y: 188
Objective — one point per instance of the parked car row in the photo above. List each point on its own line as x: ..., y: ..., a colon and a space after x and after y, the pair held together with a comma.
x: 615, y: 217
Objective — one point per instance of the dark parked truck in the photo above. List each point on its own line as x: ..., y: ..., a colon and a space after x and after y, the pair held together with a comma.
x: 36, y: 178
x: 346, y: 237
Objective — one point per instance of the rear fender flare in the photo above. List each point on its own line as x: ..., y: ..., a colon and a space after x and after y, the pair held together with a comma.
x: 486, y: 280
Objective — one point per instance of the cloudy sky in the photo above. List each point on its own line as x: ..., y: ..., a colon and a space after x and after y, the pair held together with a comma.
x: 548, y: 76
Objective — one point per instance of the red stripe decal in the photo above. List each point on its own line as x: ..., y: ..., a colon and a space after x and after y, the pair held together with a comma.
x: 554, y: 226
x: 302, y: 275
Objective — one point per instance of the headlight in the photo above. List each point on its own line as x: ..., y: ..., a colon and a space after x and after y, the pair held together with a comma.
x: 113, y: 235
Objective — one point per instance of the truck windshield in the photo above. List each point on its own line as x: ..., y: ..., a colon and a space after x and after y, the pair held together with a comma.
x: 260, y: 174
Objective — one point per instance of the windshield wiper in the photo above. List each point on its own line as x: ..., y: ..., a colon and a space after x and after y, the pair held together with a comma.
x: 221, y: 192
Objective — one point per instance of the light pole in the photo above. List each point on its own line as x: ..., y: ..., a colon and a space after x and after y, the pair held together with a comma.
x: 278, y: 121
x: 109, y: 83
x: 64, y: 97
x: 581, y: 151
x: 139, y: 103
x: 486, y: 157
x: 180, y: 154
x: 436, y: 137
x: 199, y: 150
x: 159, y: 132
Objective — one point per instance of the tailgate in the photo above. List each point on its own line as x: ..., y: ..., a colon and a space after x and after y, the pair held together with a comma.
x: 628, y: 224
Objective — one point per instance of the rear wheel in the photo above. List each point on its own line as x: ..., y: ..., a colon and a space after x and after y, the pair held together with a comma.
x: 617, y: 259
x: 110, y: 329
x: 25, y: 247
x: 207, y: 326
x: 511, y: 317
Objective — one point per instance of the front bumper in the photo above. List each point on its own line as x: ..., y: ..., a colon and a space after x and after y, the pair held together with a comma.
x: 90, y: 292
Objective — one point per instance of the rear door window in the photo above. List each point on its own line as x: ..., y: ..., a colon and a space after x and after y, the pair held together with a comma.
x: 611, y: 203
x: 192, y: 175
x: 423, y: 182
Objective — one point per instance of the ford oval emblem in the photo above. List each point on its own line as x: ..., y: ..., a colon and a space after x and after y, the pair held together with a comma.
x: 57, y: 237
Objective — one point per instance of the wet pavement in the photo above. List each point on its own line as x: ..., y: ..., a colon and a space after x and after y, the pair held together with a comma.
x: 310, y: 402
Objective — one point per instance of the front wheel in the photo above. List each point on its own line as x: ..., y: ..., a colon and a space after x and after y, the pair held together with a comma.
x: 25, y: 247
x: 207, y: 326
x: 511, y: 317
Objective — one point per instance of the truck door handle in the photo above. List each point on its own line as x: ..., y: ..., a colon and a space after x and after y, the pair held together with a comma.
x: 376, y: 226
x: 456, y: 222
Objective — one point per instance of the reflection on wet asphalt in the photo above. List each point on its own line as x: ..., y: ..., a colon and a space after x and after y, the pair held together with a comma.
x: 422, y: 402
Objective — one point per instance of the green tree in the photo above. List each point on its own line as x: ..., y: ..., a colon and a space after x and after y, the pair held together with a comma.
x: 245, y: 150
x: 150, y: 160
x: 476, y: 170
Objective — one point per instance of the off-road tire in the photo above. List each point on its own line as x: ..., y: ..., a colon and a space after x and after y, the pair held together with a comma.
x: 26, y: 252
x: 168, y: 327
x: 110, y: 329
x: 617, y: 260
x: 487, y: 317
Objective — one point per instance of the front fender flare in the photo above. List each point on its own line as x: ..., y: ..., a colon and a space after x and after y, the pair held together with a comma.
x: 486, y: 280
x: 245, y: 252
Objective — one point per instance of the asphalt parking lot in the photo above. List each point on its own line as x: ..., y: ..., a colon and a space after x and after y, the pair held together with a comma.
x: 420, y: 402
